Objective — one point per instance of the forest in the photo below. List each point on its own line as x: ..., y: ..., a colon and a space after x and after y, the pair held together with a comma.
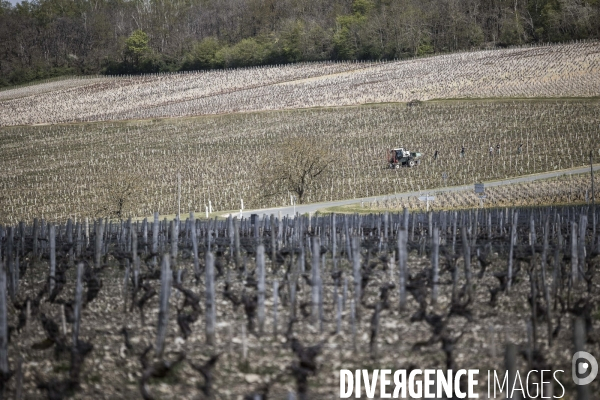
x: 49, y: 38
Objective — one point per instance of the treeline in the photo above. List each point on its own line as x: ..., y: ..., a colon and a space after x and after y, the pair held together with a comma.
x: 47, y: 38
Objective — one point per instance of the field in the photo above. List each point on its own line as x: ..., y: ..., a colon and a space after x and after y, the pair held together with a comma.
x: 562, y: 190
x: 81, y: 170
x: 99, y: 302
x: 464, y: 317
x: 570, y: 70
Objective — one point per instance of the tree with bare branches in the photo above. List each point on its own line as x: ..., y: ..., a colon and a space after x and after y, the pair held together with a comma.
x: 118, y: 196
x: 299, y: 166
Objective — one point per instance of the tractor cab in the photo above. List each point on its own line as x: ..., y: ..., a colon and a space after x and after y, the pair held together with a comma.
x: 400, y: 153
x: 400, y: 157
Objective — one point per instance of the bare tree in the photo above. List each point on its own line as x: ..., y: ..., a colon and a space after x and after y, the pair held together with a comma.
x: 299, y: 166
x: 118, y: 196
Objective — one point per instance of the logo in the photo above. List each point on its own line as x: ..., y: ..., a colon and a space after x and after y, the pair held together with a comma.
x: 583, y: 364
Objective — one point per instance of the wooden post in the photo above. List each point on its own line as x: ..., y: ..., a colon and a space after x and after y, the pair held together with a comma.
x: 273, y: 242
x: 592, y: 176
x: 402, y: 266
x: 356, y: 272
x: 52, y: 258
x: 260, y: 268
x: 316, y: 277
x: 155, y: 228
x: 545, y: 280
x: 70, y: 237
x: 581, y: 252
x: 386, y: 218
x: 211, y: 306
x: 513, y: 238
x: 414, y: 221
x: 163, y: 311
x: 178, y: 197
x: 3, y: 322
x: 174, y: 242
x: 455, y: 218
x: 236, y: 233
x: 79, y: 233
x: 98, y: 244
x: 63, y: 319
x: 145, y: 233
x: 593, y: 203
x: 302, y: 259
x: 280, y: 234
x: 78, y: 305
x: 533, y: 282
x: 28, y: 316
x: 136, y: 264
x: 10, y: 247
x: 21, y: 250
x: 36, y: 229
x: 87, y: 232
x: 194, y: 244
x: 347, y: 237
x: 430, y: 224
x: 435, y: 260
x: 574, y: 255
x: 292, y: 289
x: 533, y: 325
x: 229, y: 233
x: 466, y: 256
x: 126, y: 283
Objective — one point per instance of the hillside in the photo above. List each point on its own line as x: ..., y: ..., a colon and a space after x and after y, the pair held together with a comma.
x: 571, y: 70
x: 79, y: 170
x: 258, y: 199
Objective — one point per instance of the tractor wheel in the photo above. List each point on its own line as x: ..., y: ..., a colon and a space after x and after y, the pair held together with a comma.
x: 411, y: 163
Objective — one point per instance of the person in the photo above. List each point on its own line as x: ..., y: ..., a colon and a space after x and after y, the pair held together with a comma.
x: 498, y: 148
x: 462, y: 151
x: 520, y: 148
x: 435, y: 155
x: 491, y: 151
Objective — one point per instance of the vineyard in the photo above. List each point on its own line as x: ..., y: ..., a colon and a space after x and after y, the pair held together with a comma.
x: 571, y: 70
x: 229, y: 309
x: 91, y: 170
x: 557, y: 191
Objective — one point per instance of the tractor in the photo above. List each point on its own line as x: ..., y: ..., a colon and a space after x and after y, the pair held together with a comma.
x: 400, y: 157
